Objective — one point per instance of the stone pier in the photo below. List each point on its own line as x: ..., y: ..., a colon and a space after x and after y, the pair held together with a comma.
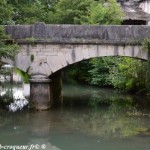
x: 40, y: 93
x: 45, y: 92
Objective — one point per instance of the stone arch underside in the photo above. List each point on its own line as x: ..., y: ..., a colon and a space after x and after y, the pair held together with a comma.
x: 47, y: 59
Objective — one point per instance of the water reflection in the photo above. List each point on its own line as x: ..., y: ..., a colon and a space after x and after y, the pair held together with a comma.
x: 90, y: 118
x: 56, y: 128
x: 62, y: 129
x: 46, y: 146
x: 120, y: 115
x: 13, y: 97
x: 40, y: 130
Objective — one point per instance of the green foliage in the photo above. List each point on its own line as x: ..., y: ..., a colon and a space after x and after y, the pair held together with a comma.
x: 5, y: 72
x: 128, y: 74
x: 145, y: 44
x: 60, y: 11
x: 7, y: 50
x: 71, y: 12
x: 79, y: 71
x: 6, y: 12
x: 124, y: 73
x: 6, y: 99
x: 104, y: 13
x: 32, y: 11
x: 24, y: 75
x: 2, y: 34
x: 26, y: 12
x: 99, y: 71
x: 31, y: 40
x: 87, y: 12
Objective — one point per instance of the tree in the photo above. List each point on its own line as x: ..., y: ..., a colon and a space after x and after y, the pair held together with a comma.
x: 26, y: 12
x: 87, y: 12
x: 99, y: 71
x: 71, y: 12
x: 32, y: 11
x: 128, y: 74
x: 104, y: 13
x: 6, y: 50
x: 65, y: 11
x: 6, y: 12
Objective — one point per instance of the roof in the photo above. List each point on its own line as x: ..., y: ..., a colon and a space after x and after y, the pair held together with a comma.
x: 133, y: 11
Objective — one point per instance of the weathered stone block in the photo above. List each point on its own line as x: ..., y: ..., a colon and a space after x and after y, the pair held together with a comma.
x: 62, y: 59
x: 85, y: 51
x: 40, y: 94
x: 54, y: 63
x: 93, y: 50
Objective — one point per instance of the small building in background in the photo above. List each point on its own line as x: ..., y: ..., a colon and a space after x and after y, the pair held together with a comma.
x: 137, y: 12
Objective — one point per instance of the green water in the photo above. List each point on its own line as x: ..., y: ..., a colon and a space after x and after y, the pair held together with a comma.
x: 89, y: 119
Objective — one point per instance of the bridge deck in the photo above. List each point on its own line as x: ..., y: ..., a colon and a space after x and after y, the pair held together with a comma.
x: 113, y: 34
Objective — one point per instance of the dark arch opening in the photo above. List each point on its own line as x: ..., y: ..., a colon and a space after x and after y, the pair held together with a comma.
x: 134, y: 22
x: 77, y: 95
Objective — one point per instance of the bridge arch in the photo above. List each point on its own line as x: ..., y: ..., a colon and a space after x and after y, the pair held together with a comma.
x: 48, y: 59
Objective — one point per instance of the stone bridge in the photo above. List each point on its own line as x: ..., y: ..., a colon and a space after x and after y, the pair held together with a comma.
x: 45, y: 49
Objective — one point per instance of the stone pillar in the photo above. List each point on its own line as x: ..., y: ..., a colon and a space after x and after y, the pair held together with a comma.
x: 40, y: 93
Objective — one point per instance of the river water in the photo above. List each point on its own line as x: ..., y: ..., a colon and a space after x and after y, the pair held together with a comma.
x: 89, y: 119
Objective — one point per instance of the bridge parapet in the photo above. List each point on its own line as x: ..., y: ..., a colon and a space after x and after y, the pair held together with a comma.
x: 45, y: 33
